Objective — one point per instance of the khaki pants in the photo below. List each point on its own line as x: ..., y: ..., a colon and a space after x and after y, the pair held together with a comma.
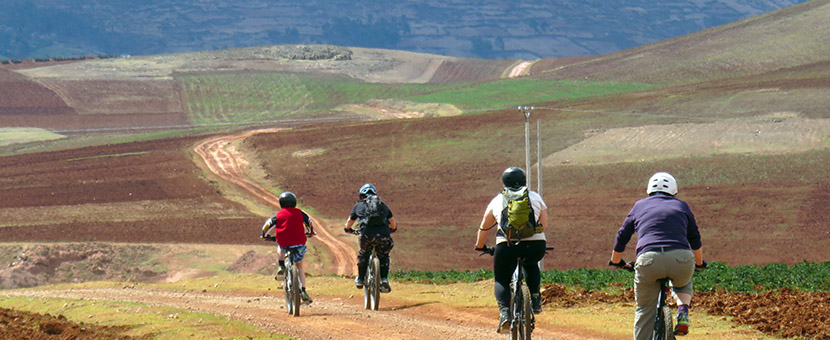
x: 676, y: 264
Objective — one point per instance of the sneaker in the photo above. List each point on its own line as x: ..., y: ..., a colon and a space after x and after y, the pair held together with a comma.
x: 306, y: 298
x: 280, y: 274
x: 384, y: 286
x: 358, y: 282
x: 682, y: 327
x: 504, y: 321
x: 536, y: 303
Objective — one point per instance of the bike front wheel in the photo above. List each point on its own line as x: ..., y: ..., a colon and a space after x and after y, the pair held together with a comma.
x: 371, y: 288
x: 293, y: 292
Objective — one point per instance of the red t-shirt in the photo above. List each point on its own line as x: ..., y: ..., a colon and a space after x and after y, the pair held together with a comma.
x: 290, y: 228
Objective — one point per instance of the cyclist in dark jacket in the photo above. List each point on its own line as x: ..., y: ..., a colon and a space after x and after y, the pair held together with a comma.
x: 376, y: 224
x: 668, y: 245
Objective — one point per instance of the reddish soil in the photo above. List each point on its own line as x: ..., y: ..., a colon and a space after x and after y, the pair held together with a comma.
x: 784, y: 313
x: 104, y: 179
x: 470, y: 70
x: 22, y: 97
x: 23, y: 325
x: 439, y: 198
x: 227, y: 164
x: 78, y: 108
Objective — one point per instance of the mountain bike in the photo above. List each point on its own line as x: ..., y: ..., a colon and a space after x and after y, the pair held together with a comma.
x: 522, y: 320
x: 371, y: 283
x: 291, y: 281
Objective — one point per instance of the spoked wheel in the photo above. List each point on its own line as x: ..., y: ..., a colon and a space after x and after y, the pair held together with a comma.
x: 664, y: 327
x: 522, y: 324
x: 292, y: 290
x: 371, y: 288
x: 527, y: 311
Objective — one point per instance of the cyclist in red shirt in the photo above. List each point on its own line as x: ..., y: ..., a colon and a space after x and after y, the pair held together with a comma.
x: 291, y: 226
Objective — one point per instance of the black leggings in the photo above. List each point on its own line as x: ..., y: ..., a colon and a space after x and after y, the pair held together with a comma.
x: 504, y: 263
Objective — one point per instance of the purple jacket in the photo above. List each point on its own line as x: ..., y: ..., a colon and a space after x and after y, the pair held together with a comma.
x: 659, y: 221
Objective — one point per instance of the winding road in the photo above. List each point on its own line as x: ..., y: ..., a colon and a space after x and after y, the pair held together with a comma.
x: 226, y: 162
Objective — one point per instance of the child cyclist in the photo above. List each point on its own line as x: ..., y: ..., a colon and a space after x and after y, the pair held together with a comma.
x: 291, y: 226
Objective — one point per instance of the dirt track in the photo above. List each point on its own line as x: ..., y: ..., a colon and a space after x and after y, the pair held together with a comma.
x: 326, y: 318
x: 226, y: 163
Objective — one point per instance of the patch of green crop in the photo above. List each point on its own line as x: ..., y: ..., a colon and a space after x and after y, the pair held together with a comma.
x: 247, y: 97
x: 806, y: 276
x: 240, y: 97
x: 513, y: 92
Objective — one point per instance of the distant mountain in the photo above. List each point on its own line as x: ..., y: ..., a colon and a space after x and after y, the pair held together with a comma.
x: 492, y: 29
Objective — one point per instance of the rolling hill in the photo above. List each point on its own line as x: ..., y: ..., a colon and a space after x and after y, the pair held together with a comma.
x: 460, y: 146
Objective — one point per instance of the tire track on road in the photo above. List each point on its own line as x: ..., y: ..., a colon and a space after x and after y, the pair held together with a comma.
x: 226, y: 164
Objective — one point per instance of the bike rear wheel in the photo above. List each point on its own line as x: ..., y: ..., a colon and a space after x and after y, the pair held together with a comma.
x: 664, y: 330
x: 522, y: 323
x: 371, y: 288
x: 293, y: 292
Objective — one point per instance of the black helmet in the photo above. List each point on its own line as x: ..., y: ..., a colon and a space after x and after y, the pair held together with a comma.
x: 514, y: 178
x: 288, y: 200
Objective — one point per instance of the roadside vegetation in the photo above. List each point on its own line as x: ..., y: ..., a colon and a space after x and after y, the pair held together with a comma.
x: 804, y: 276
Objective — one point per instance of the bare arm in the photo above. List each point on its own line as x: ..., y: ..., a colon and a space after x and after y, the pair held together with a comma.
x: 616, y: 256
x: 487, y: 223
x: 349, y: 223
x: 698, y: 256
x: 392, y: 224
x: 543, y: 219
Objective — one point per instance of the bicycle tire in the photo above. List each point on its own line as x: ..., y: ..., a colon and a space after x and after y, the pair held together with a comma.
x: 518, y: 312
x: 527, y: 313
x: 293, y: 291
x: 667, y: 322
x: 296, y: 295
x: 286, y: 287
x: 375, y: 283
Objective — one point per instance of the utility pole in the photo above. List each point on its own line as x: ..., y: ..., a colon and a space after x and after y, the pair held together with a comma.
x: 539, y: 155
x: 526, y: 110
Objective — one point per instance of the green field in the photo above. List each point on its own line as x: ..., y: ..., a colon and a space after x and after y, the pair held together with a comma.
x: 241, y: 97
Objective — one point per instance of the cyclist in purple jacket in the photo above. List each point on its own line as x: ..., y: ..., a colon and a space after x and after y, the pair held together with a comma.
x: 668, y: 245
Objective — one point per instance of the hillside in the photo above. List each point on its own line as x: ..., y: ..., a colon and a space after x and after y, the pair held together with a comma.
x: 465, y: 28
x: 792, y: 37
x: 123, y: 182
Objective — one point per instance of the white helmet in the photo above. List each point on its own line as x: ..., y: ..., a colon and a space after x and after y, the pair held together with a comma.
x: 662, y: 182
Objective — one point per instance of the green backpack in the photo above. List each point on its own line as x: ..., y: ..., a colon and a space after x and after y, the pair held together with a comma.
x: 517, y: 218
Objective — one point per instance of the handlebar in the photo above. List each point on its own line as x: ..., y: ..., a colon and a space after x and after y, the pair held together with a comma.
x: 486, y: 250
x: 357, y: 231
x: 629, y: 266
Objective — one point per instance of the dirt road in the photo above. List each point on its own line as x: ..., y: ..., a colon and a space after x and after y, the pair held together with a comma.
x: 326, y: 318
x: 226, y: 162
x: 520, y: 70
